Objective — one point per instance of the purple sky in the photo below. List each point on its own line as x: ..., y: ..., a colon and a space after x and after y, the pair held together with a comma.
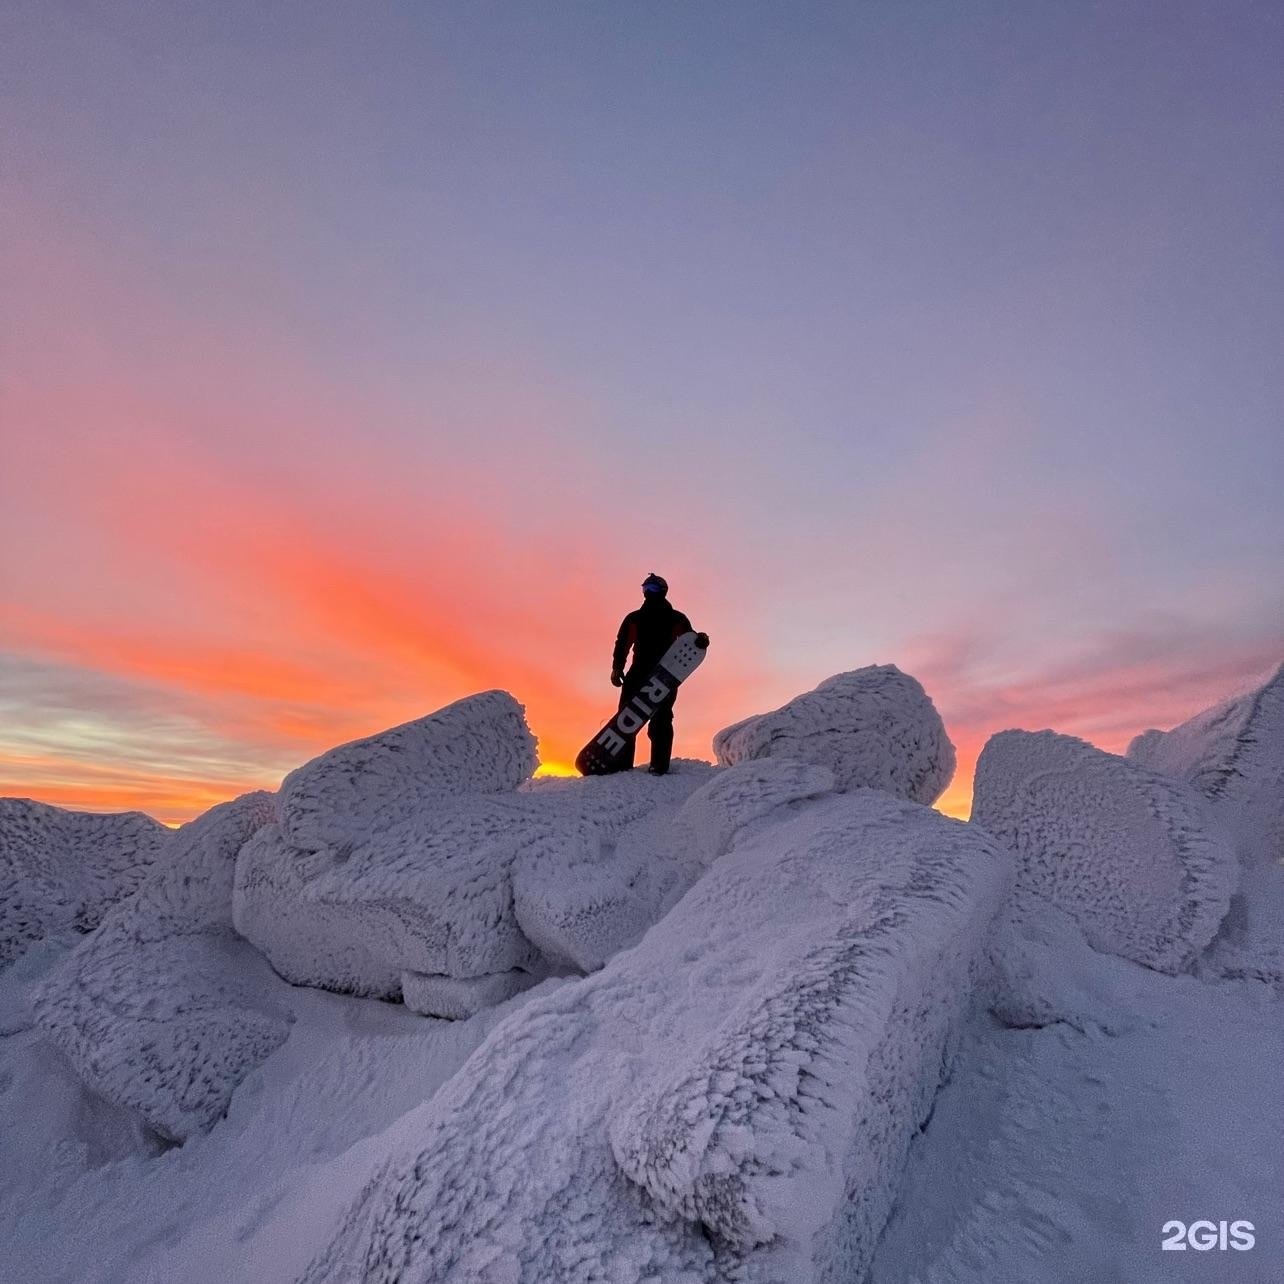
x: 356, y: 356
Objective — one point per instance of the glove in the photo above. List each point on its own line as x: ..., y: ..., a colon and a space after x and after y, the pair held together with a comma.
x: 617, y: 678
x: 702, y: 640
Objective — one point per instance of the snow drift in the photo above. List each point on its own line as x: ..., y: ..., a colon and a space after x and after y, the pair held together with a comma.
x: 733, y: 1097
x: 1130, y: 855
x: 874, y: 728
x: 61, y: 870
x: 164, y: 1010
x: 1233, y: 754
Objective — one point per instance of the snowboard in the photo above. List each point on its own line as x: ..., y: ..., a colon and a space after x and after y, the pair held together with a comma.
x: 602, y: 754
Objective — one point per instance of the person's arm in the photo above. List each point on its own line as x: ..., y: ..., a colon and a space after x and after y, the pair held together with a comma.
x: 624, y: 641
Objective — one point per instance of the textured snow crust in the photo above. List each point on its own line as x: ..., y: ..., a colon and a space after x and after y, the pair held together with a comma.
x: 164, y: 1010
x: 873, y: 728
x: 61, y: 870
x: 478, y: 745
x: 308, y: 943
x: 457, y: 998
x: 1233, y: 754
x: 557, y: 874
x: 731, y: 1098
x: 1133, y: 857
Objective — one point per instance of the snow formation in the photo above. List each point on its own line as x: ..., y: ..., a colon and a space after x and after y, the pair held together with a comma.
x: 774, y: 1070
x: 61, y: 870
x: 1132, y: 856
x: 461, y: 876
x: 457, y: 998
x: 873, y: 728
x: 478, y: 745
x: 164, y: 1009
x: 732, y: 1098
x: 1233, y: 754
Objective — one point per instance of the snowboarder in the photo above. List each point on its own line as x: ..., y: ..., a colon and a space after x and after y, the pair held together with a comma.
x: 648, y: 632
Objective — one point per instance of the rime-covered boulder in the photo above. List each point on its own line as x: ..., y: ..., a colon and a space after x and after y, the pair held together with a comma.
x: 737, y: 797
x: 734, y: 1097
x: 164, y: 1009
x: 1233, y: 754
x: 562, y: 874
x: 307, y: 942
x: 1132, y: 856
x: 456, y: 998
x: 874, y: 728
x: 478, y: 745
x: 607, y: 865
x: 61, y: 870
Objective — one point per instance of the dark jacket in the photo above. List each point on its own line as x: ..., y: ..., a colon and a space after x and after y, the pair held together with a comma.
x: 649, y: 632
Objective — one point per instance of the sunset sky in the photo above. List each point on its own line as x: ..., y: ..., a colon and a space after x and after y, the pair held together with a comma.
x: 357, y: 357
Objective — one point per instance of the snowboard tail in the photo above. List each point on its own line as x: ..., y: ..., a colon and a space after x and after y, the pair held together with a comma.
x: 602, y: 755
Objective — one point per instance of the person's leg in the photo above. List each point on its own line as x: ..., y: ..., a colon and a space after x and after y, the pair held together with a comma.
x: 660, y: 733
x: 625, y: 760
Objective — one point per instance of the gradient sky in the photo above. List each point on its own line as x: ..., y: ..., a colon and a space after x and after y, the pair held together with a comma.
x: 356, y: 357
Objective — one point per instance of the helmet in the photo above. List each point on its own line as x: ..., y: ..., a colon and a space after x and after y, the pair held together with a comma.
x: 655, y: 585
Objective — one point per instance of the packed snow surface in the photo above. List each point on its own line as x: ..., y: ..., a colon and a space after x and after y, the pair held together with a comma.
x: 733, y: 1097
x: 61, y: 870
x: 1133, y: 857
x: 873, y: 728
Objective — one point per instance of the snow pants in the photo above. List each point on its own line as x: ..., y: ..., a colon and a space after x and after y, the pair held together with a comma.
x: 659, y: 730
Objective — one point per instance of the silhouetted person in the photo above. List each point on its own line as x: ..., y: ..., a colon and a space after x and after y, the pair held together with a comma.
x: 648, y: 632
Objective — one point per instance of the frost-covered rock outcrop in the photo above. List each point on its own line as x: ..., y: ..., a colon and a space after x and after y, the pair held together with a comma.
x: 874, y: 728
x: 61, y: 870
x: 164, y: 1009
x: 1233, y: 754
x: 454, y: 875
x: 478, y: 745
x: 1132, y: 856
x: 733, y: 1098
x: 307, y: 942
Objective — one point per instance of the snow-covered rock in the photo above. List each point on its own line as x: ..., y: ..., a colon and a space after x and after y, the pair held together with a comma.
x: 873, y: 728
x: 1233, y: 754
x: 478, y: 745
x: 62, y: 870
x: 1043, y: 971
x: 732, y: 1098
x: 457, y: 998
x: 1132, y: 856
x: 562, y: 873
x: 738, y: 796
x: 164, y: 1010
x: 607, y: 864
x: 308, y: 943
